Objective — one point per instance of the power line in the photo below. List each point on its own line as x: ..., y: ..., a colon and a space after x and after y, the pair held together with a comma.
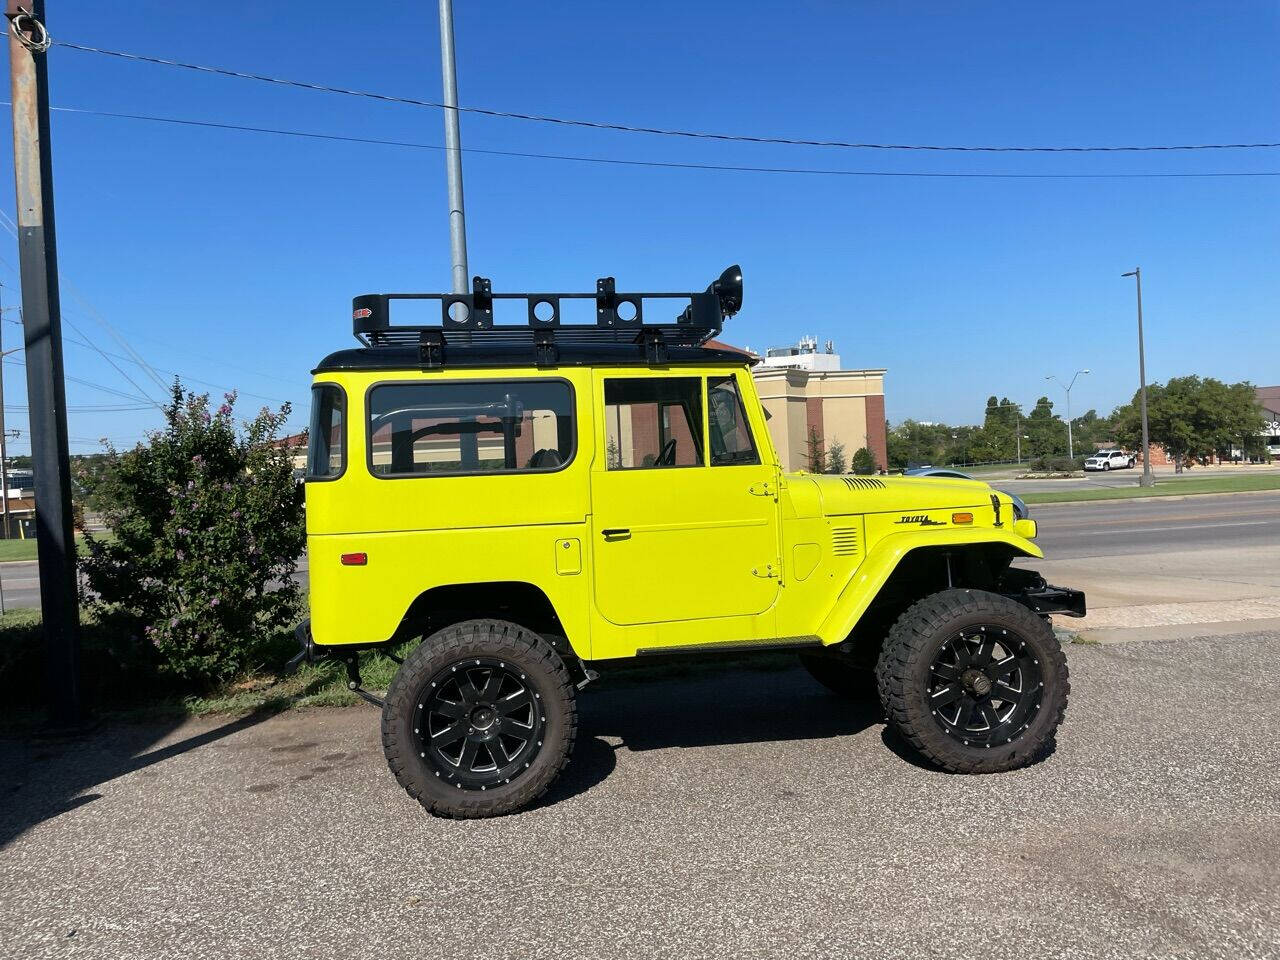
x: 657, y: 131
x: 95, y: 386
x: 12, y: 228
x: 107, y: 354
x: 809, y: 171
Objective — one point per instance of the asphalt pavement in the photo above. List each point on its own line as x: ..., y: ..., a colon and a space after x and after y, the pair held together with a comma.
x: 738, y: 814
x: 1108, y: 528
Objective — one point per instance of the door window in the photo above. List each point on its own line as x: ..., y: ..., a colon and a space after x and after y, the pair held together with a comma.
x: 729, y: 433
x: 653, y: 422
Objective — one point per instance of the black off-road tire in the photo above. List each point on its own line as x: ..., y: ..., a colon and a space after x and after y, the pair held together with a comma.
x: 841, y: 678
x: 467, y: 645
x: 907, y: 667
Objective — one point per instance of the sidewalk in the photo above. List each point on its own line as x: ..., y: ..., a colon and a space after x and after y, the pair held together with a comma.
x: 1167, y: 590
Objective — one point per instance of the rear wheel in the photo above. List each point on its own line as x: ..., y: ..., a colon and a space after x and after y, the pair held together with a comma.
x: 480, y: 719
x: 976, y: 682
x: 840, y: 677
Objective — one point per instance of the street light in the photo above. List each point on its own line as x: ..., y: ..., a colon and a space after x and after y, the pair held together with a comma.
x: 1071, y: 450
x: 1147, y: 480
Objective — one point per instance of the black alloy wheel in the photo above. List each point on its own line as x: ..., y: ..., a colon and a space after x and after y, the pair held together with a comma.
x: 974, y: 681
x: 480, y: 719
x: 986, y: 686
x: 479, y: 722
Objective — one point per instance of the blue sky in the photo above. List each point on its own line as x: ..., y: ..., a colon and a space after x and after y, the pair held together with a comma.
x: 232, y: 257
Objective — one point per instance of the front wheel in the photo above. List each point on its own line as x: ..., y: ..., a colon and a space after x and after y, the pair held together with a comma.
x: 976, y: 682
x: 480, y: 719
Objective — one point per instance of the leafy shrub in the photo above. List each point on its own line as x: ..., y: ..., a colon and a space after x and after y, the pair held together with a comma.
x: 835, y: 457
x: 863, y: 462
x: 207, y: 524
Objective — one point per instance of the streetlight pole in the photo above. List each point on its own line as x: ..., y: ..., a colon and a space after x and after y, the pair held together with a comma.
x: 1147, y: 480
x: 453, y: 152
x: 1071, y: 450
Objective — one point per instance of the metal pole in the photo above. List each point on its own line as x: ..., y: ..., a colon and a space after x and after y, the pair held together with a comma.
x: 4, y: 457
x: 453, y: 152
x: 1071, y: 450
x: 42, y: 328
x: 1147, y: 480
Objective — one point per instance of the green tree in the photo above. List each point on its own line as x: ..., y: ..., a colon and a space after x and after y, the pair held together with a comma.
x: 817, y: 457
x: 207, y: 524
x: 863, y: 463
x: 1192, y: 418
x: 835, y: 457
x: 1046, y: 432
x: 912, y: 443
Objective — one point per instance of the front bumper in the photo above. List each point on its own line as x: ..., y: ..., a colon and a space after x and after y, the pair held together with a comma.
x: 1031, y: 590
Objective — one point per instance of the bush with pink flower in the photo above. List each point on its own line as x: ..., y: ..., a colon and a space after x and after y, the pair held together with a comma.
x: 206, y: 526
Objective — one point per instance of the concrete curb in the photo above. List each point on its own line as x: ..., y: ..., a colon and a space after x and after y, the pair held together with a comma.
x: 1180, y: 631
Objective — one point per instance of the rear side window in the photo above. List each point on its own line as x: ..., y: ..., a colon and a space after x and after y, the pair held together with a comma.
x: 326, y: 438
x: 459, y: 427
x: 653, y: 422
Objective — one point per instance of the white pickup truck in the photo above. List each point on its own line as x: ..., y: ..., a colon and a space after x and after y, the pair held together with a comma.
x: 1109, y: 460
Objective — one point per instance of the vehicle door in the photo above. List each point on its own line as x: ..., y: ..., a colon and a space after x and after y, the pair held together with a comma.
x: 685, y: 517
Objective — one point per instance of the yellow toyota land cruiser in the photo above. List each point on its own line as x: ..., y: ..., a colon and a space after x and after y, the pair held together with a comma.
x: 536, y: 500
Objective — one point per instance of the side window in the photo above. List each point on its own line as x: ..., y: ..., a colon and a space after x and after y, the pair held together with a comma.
x: 326, y: 437
x: 653, y: 422
x: 730, y: 434
x: 426, y: 429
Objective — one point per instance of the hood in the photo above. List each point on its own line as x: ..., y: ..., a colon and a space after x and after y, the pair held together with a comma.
x: 844, y: 494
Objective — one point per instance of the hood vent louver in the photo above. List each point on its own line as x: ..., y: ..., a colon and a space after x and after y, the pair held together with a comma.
x: 863, y: 483
x: 844, y: 541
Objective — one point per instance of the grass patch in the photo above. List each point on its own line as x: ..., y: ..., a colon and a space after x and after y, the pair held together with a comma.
x: 15, y: 549
x: 1163, y: 488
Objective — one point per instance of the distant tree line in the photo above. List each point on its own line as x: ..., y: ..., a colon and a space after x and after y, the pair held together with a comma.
x: 1192, y: 418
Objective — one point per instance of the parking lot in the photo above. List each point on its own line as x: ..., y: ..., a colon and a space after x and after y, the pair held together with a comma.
x: 738, y: 814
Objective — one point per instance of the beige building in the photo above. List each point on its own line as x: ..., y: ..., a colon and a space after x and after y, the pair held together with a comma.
x: 845, y: 406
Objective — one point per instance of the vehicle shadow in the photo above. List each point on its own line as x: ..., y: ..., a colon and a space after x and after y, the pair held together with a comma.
x: 709, y: 706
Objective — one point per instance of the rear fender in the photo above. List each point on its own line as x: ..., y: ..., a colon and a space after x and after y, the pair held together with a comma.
x: 884, y: 558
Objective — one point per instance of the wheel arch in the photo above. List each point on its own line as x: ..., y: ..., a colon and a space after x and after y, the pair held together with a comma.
x: 517, y: 601
x: 905, y: 567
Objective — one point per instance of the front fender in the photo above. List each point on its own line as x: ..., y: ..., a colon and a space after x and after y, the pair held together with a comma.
x: 884, y: 558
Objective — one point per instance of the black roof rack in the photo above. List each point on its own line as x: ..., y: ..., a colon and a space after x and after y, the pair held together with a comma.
x: 466, y: 320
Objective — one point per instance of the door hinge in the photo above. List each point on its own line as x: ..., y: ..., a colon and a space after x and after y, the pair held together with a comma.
x: 765, y: 489
x: 770, y: 571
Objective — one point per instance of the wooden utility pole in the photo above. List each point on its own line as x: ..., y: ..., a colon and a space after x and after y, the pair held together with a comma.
x: 4, y: 453
x: 42, y: 329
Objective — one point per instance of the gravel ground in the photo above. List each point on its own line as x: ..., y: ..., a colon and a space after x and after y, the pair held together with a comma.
x: 740, y: 814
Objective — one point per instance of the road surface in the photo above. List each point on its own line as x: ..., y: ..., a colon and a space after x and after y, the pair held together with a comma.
x: 744, y: 814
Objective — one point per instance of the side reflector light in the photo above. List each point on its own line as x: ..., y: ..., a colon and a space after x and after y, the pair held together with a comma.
x: 962, y: 518
x: 355, y: 559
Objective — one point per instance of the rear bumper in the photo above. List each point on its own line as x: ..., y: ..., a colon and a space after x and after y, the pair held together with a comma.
x: 311, y: 652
